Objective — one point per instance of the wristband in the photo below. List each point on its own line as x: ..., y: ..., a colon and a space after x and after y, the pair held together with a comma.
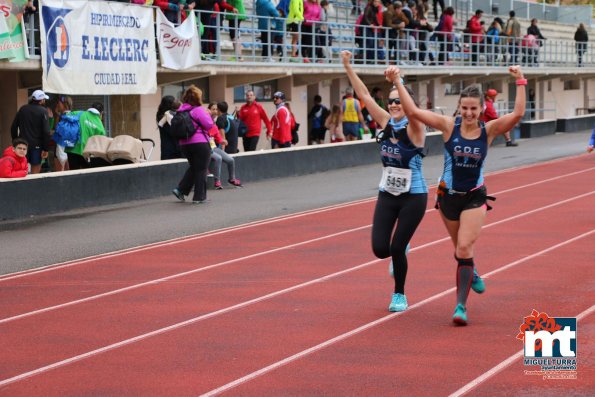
x: 521, y: 82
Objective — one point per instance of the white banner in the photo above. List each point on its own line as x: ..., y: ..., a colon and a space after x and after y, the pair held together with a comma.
x: 97, y: 48
x: 179, y: 47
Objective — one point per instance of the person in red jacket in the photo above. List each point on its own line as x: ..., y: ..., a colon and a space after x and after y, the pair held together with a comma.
x: 14, y: 162
x: 489, y: 113
x: 252, y: 113
x: 282, y: 123
x: 475, y: 29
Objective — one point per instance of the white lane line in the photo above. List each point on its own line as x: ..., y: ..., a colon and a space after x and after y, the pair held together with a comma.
x: 367, y: 326
x: 266, y: 297
x: 177, y: 275
x: 62, y: 265
x: 500, y: 367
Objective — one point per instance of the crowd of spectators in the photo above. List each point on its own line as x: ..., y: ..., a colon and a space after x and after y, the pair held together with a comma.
x: 384, y: 31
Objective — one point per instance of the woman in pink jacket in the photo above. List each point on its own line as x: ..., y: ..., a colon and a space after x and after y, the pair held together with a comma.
x: 196, y: 148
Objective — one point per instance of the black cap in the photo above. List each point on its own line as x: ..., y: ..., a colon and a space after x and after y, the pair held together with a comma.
x: 279, y: 95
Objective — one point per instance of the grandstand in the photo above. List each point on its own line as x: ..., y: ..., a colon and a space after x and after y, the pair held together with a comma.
x: 561, y: 88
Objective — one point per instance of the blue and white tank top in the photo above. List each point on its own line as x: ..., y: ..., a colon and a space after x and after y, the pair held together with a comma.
x: 403, y: 154
x: 464, y: 159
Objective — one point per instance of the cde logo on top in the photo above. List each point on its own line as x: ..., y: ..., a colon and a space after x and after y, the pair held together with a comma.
x: 551, y: 344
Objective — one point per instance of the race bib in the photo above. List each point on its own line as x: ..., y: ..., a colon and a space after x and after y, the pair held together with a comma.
x: 395, y: 180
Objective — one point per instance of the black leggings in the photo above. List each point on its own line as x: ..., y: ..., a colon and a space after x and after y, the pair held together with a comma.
x: 408, y: 209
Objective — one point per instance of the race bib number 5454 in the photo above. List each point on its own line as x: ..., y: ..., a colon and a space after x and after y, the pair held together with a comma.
x: 395, y: 180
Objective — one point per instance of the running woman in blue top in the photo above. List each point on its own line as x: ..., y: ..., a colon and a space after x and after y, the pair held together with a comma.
x: 461, y: 193
x: 403, y: 194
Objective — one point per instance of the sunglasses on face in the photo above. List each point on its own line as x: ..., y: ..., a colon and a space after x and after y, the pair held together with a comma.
x: 394, y: 101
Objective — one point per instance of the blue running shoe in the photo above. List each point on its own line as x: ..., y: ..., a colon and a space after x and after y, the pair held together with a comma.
x: 398, y: 303
x: 460, y: 315
x: 391, y: 270
x: 477, y: 284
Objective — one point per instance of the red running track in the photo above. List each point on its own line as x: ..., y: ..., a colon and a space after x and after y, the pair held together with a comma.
x: 300, y: 307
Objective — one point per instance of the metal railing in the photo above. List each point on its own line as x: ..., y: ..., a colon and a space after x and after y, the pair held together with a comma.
x: 322, y: 42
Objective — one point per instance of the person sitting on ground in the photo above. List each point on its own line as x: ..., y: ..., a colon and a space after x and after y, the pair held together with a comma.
x: 13, y: 163
x: 218, y: 155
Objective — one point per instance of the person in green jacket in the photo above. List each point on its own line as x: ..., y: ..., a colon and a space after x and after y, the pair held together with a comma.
x: 91, y: 124
x: 234, y: 26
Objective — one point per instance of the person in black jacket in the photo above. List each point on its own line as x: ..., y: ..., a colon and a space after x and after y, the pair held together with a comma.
x: 165, y: 112
x: 581, y: 37
x: 32, y: 124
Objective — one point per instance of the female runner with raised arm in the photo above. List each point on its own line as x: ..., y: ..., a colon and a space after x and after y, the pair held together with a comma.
x: 403, y: 193
x: 461, y: 193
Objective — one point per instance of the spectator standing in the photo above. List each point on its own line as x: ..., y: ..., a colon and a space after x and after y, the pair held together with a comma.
x: 581, y: 37
x: 295, y: 16
x: 334, y: 125
x: 165, y: 112
x: 317, y: 117
x: 394, y: 22
x: 351, y: 116
x: 196, y: 148
x: 265, y: 10
x: 13, y: 163
x: 281, y: 123
x: 252, y: 114
x: 218, y: 155
x: 475, y: 29
x: 534, y: 30
x: 234, y: 20
x: 444, y: 34
x: 63, y: 106
x: 324, y: 37
x: 172, y: 9
x: 372, y: 20
x: 513, y: 31
x: 436, y: 2
x: 490, y: 113
x: 312, y: 12
x: 493, y: 42
x: 424, y: 28
x: 32, y: 124
x: 90, y: 124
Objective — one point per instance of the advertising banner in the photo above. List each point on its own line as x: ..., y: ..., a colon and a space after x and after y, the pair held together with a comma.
x: 179, y: 47
x: 97, y: 48
x: 12, y: 40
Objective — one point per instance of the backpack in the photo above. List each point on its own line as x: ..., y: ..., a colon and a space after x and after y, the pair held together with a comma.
x: 231, y: 134
x: 295, y: 138
x: 319, y: 117
x: 68, y: 130
x: 182, y: 125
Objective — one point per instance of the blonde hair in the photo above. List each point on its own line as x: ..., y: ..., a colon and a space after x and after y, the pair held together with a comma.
x: 192, y: 96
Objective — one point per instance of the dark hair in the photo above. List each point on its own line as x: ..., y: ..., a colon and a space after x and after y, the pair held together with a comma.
x: 19, y: 141
x: 511, y: 13
x: 222, y: 106
x: 449, y: 11
x: 165, y: 105
x: 472, y: 91
x: 409, y: 91
x: 98, y: 106
x: 317, y: 98
x: 211, y: 104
